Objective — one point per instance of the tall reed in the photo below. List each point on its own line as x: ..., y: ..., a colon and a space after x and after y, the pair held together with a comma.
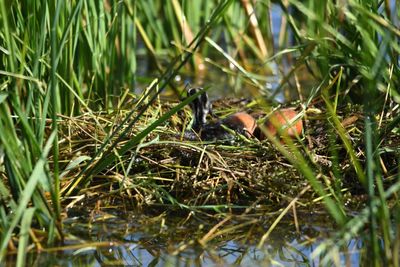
x: 356, y: 52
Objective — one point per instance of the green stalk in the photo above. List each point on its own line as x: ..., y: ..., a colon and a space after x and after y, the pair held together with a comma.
x: 370, y: 185
x: 55, y: 109
x: 24, y: 236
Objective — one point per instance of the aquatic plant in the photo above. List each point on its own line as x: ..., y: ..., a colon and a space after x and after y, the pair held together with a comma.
x: 69, y: 73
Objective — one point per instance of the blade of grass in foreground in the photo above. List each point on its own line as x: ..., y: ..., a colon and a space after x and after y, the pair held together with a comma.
x: 24, y: 236
x: 38, y: 172
x: 55, y: 94
x: 294, y: 155
x: 342, y: 133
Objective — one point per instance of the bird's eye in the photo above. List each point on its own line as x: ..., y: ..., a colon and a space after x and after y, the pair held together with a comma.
x: 193, y: 91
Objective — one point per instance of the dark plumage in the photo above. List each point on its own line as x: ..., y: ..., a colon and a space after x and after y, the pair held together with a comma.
x: 239, y: 122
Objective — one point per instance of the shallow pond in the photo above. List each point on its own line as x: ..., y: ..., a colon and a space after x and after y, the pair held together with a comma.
x: 114, y: 238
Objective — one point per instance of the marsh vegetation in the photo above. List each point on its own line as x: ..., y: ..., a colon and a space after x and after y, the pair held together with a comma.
x: 94, y: 110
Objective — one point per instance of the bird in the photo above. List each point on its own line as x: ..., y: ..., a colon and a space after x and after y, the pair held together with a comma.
x: 239, y: 122
x: 282, y: 122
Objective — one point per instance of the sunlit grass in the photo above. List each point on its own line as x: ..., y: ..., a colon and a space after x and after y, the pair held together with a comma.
x: 68, y: 64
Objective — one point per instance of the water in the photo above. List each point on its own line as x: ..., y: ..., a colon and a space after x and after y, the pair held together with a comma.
x: 125, y: 239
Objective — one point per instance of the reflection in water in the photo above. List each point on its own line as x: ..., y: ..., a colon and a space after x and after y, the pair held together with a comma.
x: 126, y: 239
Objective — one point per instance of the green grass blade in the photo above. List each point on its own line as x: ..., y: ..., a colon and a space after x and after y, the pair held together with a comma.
x: 24, y: 236
x: 38, y: 172
x: 55, y: 103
